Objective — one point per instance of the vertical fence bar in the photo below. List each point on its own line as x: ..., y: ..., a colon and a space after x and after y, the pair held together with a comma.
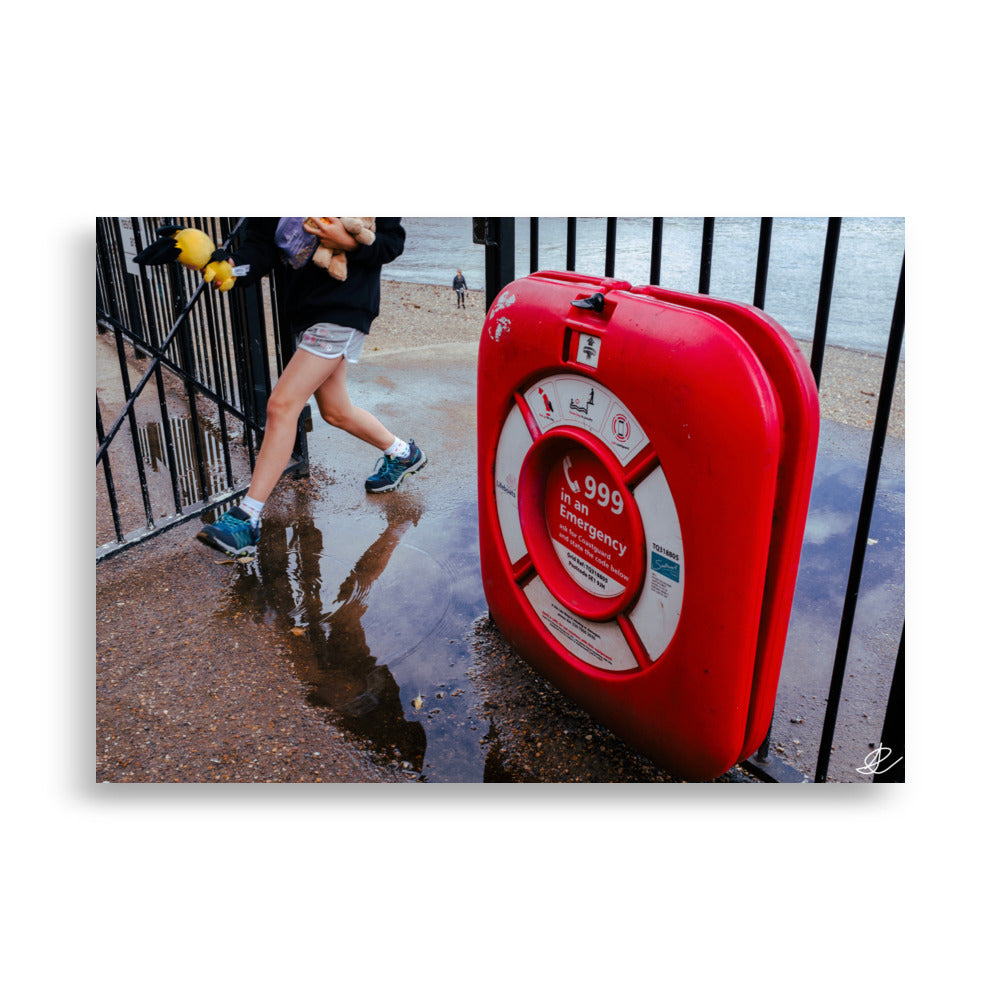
x: 707, y: 239
x: 532, y: 245
x: 188, y: 365
x: 763, y: 259
x: 134, y: 293
x: 610, y: 247
x: 168, y: 437
x: 256, y: 357
x: 108, y: 478
x: 101, y: 292
x: 825, y: 295
x: 656, y: 252
x: 286, y: 339
x: 864, y: 524
x: 241, y: 305
x: 104, y: 269
x: 215, y: 346
x: 499, y: 257
x: 138, y: 326
x: 151, y: 289
x: 233, y: 234
x: 134, y: 429
x: 894, y: 726
x: 571, y: 244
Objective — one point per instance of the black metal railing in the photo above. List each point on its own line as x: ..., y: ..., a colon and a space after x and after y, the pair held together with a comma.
x: 497, y: 235
x: 198, y: 364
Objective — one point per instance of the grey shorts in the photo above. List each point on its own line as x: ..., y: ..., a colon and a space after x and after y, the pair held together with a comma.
x: 327, y: 340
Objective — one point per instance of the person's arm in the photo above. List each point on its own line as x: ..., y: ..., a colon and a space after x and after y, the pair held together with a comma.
x: 257, y: 249
x: 390, y: 237
x: 331, y: 235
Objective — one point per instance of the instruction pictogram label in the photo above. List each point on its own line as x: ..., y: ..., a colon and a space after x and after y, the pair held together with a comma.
x: 582, y: 402
x: 588, y: 350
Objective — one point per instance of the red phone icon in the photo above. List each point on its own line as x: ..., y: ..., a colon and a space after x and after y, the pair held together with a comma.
x: 573, y: 484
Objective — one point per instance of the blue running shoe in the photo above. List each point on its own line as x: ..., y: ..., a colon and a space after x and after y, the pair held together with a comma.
x: 232, y: 533
x: 390, y: 472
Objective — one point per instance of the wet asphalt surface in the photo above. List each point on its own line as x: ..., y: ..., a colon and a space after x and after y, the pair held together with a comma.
x: 358, y: 647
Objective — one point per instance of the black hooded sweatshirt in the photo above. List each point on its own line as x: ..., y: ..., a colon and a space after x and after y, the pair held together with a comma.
x: 311, y: 295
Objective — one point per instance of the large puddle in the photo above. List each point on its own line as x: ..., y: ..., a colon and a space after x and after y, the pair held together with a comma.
x: 381, y: 600
x: 382, y: 629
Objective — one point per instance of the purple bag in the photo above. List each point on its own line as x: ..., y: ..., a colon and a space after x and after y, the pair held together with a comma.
x: 293, y: 241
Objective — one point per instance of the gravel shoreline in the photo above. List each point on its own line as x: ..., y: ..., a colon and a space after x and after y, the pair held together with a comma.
x: 425, y: 315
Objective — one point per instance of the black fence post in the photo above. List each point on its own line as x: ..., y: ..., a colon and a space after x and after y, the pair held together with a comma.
x: 610, y: 246
x: 763, y: 258
x: 868, y: 497
x: 256, y: 348
x: 894, y: 727
x: 656, y: 252
x: 825, y: 296
x: 106, y: 284
x: 497, y: 235
x: 707, y: 242
x: 177, y: 296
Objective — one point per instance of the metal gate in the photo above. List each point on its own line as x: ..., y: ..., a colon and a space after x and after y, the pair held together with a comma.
x: 183, y: 377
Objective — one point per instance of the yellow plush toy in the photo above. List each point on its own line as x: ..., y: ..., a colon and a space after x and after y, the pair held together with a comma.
x: 193, y: 249
x: 334, y: 262
x: 219, y: 271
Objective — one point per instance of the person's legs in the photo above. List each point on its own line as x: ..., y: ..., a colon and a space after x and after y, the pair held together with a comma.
x: 336, y: 408
x: 302, y: 377
x: 237, y: 531
x: 308, y: 374
x: 399, y: 459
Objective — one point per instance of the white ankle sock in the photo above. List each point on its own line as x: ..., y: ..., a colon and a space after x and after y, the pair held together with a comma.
x: 398, y: 449
x: 254, y: 509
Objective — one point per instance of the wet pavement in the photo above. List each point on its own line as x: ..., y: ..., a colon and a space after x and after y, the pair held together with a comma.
x: 379, y: 592
x: 377, y: 608
x: 820, y: 593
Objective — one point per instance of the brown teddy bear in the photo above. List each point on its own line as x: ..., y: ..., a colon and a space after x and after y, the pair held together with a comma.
x: 334, y: 262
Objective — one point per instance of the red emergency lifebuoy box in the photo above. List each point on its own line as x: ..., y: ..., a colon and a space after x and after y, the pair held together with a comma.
x: 645, y: 464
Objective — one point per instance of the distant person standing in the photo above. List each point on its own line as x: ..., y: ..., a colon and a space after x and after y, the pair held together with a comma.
x: 458, y: 283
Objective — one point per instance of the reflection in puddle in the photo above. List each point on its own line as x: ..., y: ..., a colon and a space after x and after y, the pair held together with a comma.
x: 154, y: 444
x: 824, y: 525
x: 348, y: 673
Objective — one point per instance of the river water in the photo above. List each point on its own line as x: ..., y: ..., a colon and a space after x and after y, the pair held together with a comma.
x: 869, y: 258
